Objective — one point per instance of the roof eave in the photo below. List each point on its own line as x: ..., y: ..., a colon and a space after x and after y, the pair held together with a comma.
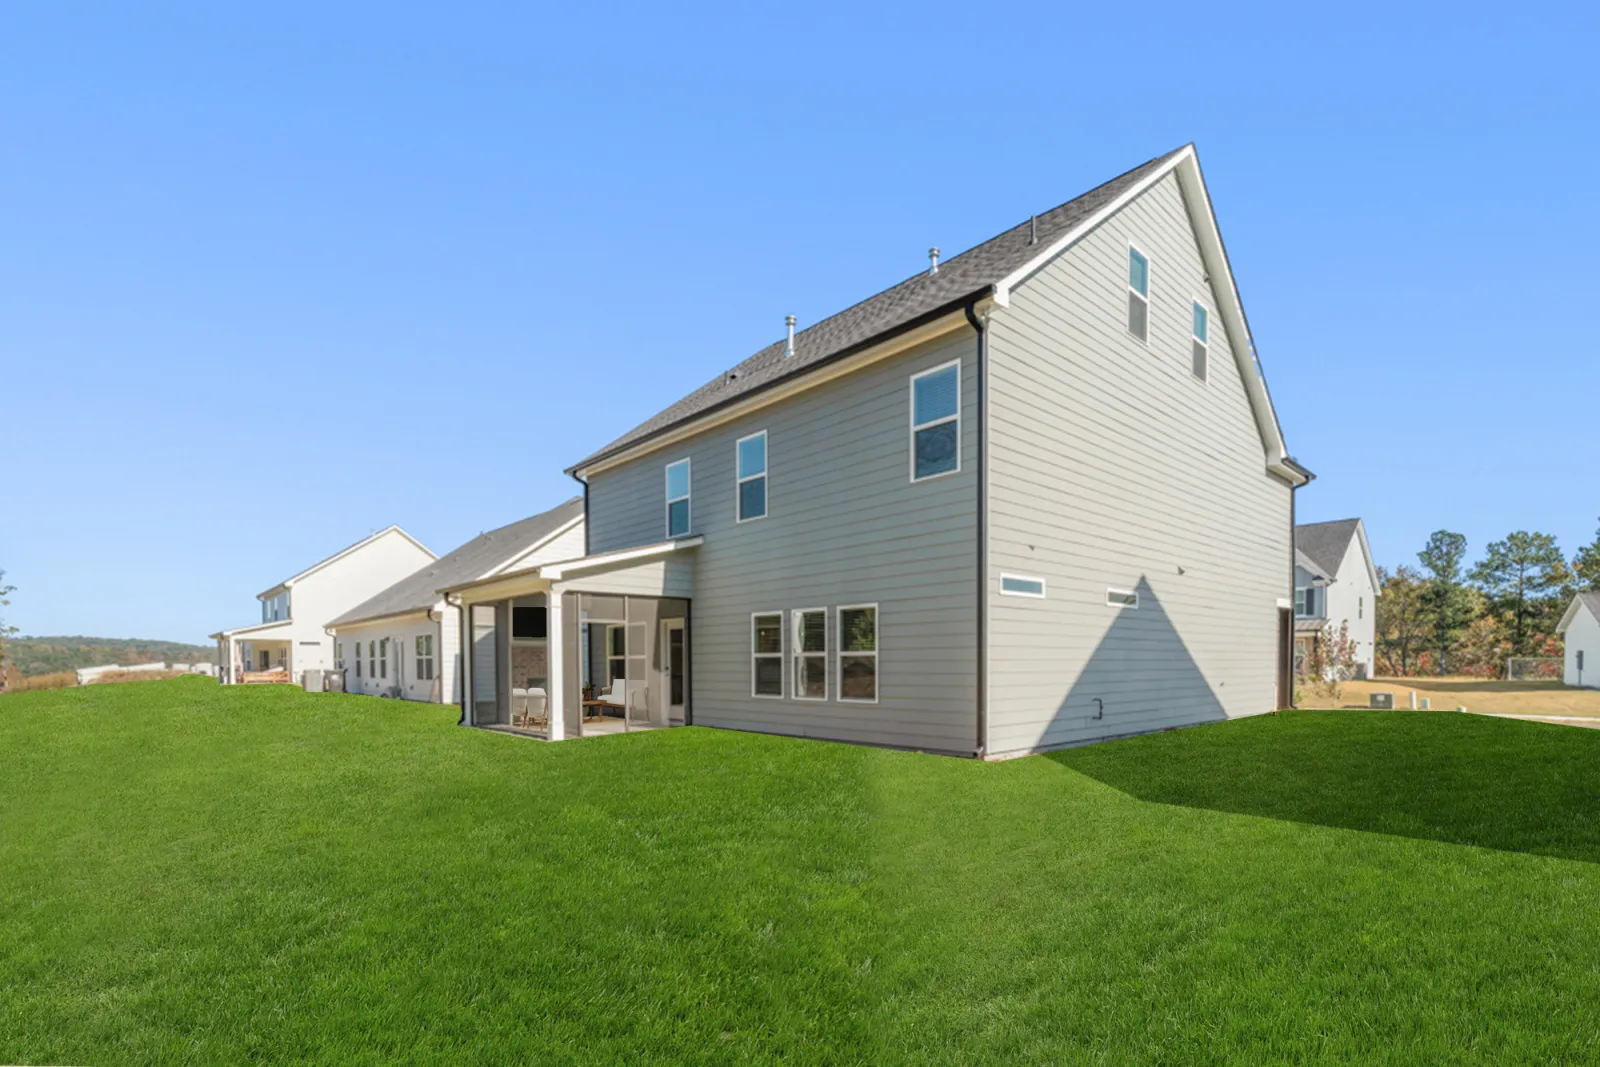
x: 605, y: 456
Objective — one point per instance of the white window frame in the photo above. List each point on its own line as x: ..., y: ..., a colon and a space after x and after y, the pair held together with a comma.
x: 911, y: 416
x: 338, y: 655
x: 1300, y: 601
x: 1149, y: 286
x: 877, y: 647
x: 613, y: 656
x: 1040, y: 595
x: 738, y: 482
x: 372, y: 660
x: 383, y: 658
x: 1121, y: 605
x: 424, y: 660
x: 757, y: 656
x: 687, y: 497
x: 1203, y: 342
x: 797, y: 655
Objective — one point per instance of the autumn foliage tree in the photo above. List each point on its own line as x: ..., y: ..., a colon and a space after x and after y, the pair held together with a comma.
x: 1401, y: 620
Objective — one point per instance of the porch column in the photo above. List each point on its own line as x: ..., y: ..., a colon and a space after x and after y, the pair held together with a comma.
x: 555, y: 666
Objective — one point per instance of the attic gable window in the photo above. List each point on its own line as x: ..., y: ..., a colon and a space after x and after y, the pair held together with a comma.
x: 1138, y: 294
x: 678, y: 498
x: 1201, y: 348
x: 936, y: 422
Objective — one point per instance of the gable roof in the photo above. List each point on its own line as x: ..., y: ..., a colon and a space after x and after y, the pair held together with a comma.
x: 478, y: 558
x: 991, y: 269
x: 1590, y: 600
x: 1311, y: 566
x: 343, y: 552
x: 1325, y: 544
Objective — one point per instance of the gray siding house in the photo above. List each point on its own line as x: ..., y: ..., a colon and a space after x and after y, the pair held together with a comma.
x: 1033, y: 497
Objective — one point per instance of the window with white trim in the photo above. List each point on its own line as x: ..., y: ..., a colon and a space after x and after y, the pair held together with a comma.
x: 678, y: 498
x: 424, y: 657
x: 766, y: 654
x: 936, y: 421
x: 750, y: 455
x: 1018, y: 585
x: 1202, y: 347
x: 338, y: 655
x: 617, y: 653
x: 1138, y: 294
x: 372, y: 659
x: 1122, y: 598
x: 1305, y: 602
x: 810, y: 644
x: 858, y: 653
x: 383, y: 658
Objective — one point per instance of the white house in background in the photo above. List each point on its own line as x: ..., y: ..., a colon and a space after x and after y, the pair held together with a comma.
x: 403, y: 643
x: 1335, y: 583
x: 1580, y: 626
x: 291, y: 637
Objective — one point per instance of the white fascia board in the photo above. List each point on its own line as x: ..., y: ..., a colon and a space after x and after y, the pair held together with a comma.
x: 364, y: 542
x: 567, y: 568
x: 1366, y: 557
x: 1570, y: 616
x: 258, y: 628
x: 1186, y: 166
x: 511, y: 564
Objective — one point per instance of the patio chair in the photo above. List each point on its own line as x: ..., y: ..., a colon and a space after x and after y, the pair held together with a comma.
x: 537, y: 714
x: 519, y: 707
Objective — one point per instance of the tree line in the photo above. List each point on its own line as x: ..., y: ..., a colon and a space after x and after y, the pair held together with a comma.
x: 1445, y: 617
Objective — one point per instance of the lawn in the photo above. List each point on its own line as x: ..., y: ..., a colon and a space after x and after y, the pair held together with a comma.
x: 206, y: 875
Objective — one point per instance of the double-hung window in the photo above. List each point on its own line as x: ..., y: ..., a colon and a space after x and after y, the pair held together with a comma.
x: 424, y: 657
x: 678, y: 498
x: 936, y: 421
x: 1138, y: 294
x: 372, y: 659
x: 1202, y: 348
x: 338, y: 655
x: 383, y: 658
x: 766, y: 654
x: 858, y: 653
x: 1305, y: 602
x: 810, y: 643
x: 752, y: 476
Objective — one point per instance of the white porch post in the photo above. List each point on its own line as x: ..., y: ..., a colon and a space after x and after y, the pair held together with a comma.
x: 555, y: 667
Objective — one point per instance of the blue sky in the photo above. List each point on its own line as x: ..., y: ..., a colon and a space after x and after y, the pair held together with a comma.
x: 422, y: 258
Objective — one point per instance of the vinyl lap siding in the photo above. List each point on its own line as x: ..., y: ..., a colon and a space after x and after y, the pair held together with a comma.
x: 1111, y: 465
x: 845, y: 525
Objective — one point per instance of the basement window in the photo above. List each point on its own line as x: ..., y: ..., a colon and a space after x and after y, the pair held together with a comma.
x: 1138, y: 294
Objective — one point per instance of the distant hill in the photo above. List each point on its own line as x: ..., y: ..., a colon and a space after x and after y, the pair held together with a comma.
x: 46, y: 655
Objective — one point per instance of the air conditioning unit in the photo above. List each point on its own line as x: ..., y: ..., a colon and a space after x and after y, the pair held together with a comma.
x: 311, y: 680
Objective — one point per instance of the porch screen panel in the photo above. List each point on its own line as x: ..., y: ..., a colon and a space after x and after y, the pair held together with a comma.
x: 485, y: 666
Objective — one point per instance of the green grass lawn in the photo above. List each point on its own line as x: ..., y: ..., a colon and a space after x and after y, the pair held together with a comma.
x: 207, y: 875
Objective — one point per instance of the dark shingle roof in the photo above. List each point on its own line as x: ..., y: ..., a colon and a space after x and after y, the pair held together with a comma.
x: 1326, y: 542
x: 919, y: 298
x: 420, y: 590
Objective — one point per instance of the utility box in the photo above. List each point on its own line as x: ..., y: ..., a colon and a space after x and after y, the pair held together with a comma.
x: 312, y: 680
x: 1383, y: 700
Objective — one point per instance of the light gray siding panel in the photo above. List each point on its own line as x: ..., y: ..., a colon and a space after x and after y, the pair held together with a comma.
x: 845, y: 525
x: 1111, y: 465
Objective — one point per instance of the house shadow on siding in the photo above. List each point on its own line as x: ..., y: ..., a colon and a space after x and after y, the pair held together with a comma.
x: 1141, y: 678
x: 1435, y: 776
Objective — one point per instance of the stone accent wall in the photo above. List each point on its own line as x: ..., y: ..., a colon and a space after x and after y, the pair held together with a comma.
x: 528, y: 661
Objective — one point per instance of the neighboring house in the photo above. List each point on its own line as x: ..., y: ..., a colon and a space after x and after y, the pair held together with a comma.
x: 1580, y: 627
x: 1335, y: 584
x: 1034, y: 496
x: 290, y: 639
x: 403, y: 643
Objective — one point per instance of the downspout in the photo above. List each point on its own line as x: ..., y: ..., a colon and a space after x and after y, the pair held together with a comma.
x: 461, y: 657
x: 1294, y: 501
x: 585, y: 483
x: 981, y: 746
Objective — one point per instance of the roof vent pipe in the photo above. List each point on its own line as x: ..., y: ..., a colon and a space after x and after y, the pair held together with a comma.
x: 1033, y: 229
x: 788, y: 349
x: 933, y: 261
